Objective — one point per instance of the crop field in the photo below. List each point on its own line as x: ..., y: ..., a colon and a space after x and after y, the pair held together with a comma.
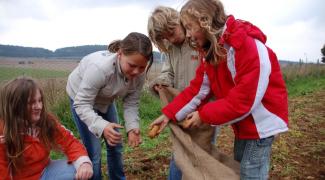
x: 296, y: 154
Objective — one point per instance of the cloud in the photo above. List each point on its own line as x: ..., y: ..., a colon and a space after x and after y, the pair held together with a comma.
x: 91, y: 4
x: 16, y: 9
x: 297, y: 40
x: 60, y: 23
x: 295, y: 28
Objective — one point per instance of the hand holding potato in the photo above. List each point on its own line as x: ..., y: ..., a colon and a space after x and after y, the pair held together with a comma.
x: 161, y: 122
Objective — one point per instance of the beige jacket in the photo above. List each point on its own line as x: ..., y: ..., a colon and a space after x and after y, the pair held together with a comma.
x: 95, y: 83
x: 178, y: 69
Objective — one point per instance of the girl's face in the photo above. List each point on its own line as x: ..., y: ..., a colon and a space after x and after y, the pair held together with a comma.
x: 132, y: 65
x: 176, y: 37
x: 35, y: 106
x: 194, y: 32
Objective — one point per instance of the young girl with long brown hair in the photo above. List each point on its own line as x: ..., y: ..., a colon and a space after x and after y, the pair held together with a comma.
x: 28, y: 133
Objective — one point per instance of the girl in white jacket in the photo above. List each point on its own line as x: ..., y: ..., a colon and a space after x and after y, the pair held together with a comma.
x: 93, y: 86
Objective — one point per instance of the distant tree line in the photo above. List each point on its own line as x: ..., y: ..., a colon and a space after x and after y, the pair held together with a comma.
x: 19, y: 51
x: 323, y: 53
x: 78, y: 51
x: 67, y: 52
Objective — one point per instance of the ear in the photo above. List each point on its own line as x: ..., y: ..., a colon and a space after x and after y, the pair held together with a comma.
x: 119, y: 54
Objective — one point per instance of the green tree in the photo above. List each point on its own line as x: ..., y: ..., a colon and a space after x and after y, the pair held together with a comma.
x: 323, y: 53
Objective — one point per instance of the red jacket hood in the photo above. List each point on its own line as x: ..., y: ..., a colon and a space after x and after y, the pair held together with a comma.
x: 238, y: 30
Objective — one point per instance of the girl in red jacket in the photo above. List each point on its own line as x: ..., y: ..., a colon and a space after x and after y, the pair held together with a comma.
x: 243, y: 75
x: 28, y: 133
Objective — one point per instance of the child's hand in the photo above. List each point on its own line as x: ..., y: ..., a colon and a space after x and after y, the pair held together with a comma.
x: 192, y: 120
x: 134, y: 138
x: 185, y: 123
x: 85, y: 171
x: 112, y: 136
x: 159, y: 88
x: 161, y: 121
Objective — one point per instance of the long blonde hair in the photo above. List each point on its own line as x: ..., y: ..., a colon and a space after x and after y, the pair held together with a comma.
x: 211, y: 17
x: 163, y: 20
x: 15, y: 115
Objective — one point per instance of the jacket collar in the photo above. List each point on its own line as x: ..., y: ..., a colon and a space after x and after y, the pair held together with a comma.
x: 119, y: 70
x: 236, y: 31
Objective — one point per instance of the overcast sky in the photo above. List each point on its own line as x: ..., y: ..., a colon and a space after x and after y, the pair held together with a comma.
x: 295, y: 28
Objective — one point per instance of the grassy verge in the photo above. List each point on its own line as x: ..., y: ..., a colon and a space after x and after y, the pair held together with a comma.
x: 7, y: 73
x: 305, y: 85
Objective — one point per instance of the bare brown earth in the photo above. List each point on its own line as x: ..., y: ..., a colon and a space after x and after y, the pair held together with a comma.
x: 297, y: 154
x: 56, y: 64
x: 39, y: 63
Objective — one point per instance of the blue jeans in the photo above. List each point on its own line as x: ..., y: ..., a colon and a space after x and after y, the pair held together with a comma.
x: 254, y: 157
x: 93, y: 146
x: 174, y: 172
x: 59, y: 169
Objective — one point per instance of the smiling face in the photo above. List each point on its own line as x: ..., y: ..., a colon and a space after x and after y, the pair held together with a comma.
x: 35, y: 106
x: 132, y: 65
x: 194, y: 32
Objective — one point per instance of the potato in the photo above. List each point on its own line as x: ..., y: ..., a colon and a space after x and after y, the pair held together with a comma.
x: 184, y: 123
x: 154, y: 131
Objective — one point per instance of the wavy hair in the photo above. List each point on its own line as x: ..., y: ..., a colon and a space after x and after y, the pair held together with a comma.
x: 14, y: 113
x: 163, y: 20
x: 211, y: 17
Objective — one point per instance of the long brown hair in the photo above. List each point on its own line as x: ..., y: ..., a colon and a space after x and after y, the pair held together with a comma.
x: 211, y: 17
x: 14, y: 113
x: 134, y: 43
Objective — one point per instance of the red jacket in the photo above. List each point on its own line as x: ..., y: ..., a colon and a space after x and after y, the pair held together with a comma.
x: 248, y: 86
x: 36, y: 156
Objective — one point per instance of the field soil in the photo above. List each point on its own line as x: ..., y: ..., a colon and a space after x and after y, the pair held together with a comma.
x: 297, y: 154
x: 39, y: 63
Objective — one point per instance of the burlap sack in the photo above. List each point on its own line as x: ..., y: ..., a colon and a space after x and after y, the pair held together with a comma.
x: 197, y: 158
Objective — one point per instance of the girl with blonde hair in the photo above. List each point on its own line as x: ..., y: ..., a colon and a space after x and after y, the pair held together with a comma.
x: 244, y: 76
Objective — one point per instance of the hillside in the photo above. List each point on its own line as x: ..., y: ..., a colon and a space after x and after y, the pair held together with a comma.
x: 75, y: 52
